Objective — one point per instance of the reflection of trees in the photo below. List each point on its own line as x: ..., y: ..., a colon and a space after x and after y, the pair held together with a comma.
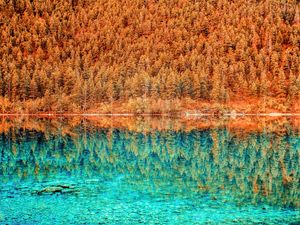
x: 241, y: 126
x: 259, y: 167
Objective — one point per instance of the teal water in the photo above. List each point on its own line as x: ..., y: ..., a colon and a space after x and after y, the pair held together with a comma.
x: 117, y: 176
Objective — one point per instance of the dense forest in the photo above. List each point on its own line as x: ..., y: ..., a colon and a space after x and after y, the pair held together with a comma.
x: 155, y: 55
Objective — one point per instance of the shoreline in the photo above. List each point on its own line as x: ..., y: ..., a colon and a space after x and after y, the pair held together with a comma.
x: 184, y: 114
x: 245, y: 123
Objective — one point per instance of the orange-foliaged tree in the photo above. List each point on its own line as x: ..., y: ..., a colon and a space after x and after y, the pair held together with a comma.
x: 90, y: 52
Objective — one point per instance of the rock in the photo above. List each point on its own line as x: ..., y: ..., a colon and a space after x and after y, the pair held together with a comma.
x: 59, y: 188
x: 50, y: 190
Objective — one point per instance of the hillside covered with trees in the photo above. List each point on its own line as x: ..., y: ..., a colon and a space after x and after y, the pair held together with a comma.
x: 149, y: 55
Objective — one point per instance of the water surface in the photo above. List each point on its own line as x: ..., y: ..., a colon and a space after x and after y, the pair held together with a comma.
x: 86, y: 174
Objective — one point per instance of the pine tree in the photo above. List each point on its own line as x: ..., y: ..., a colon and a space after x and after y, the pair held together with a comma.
x: 202, y: 50
x: 2, y: 93
x: 294, y: 86
x: 280, y: 87
x: 33, y: 89
x: 15, y: 90
x: 215, y: 94
x: 171, y: 85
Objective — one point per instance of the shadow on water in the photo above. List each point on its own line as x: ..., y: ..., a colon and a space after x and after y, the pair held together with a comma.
x: 158, y: 170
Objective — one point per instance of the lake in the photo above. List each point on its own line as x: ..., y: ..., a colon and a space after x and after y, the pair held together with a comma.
x: 149, y: 171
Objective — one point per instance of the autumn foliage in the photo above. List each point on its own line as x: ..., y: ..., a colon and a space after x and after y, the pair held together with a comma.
x: 78, y: 55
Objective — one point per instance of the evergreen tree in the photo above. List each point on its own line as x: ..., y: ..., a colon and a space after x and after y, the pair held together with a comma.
x: 203, y: 50
x: 33, y: 89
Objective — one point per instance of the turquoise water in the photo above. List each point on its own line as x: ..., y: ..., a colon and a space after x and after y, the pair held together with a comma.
x: 117, y: 176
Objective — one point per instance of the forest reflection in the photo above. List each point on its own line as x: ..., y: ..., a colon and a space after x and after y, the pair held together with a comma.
x: 251, y: 165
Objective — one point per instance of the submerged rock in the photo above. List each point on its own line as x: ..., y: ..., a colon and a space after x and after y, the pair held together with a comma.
x: 50, y: 190
x: 59, y: 188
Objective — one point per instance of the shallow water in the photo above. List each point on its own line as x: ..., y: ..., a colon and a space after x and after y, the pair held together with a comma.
x: 117, y: 176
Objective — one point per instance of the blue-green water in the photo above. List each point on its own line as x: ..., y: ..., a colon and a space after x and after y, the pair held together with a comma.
x: 117, y: 176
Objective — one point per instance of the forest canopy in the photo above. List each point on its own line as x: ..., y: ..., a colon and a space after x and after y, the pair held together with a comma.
x: 74, y: 55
